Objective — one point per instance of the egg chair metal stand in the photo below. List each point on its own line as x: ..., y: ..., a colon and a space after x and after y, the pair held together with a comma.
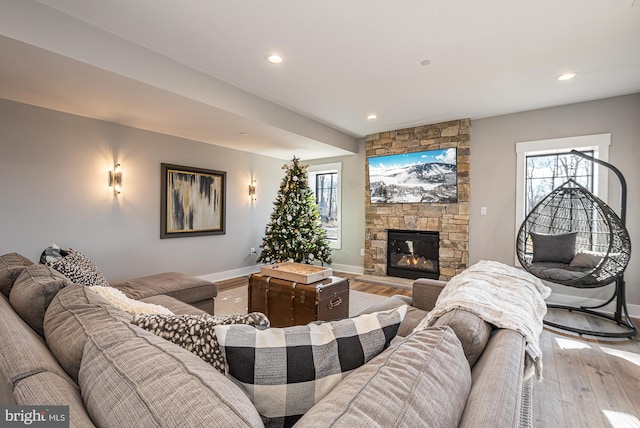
x: 573, y: 211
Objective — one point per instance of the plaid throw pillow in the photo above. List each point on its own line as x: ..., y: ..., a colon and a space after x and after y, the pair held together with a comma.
x: 285, y: 371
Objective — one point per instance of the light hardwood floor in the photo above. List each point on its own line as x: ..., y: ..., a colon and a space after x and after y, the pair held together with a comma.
x: 588, y: 382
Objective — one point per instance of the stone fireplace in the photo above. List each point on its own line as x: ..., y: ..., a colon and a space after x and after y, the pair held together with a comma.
x: 449, y: 220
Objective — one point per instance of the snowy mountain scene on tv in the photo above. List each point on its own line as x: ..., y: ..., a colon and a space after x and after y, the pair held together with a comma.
x: 429, y: 176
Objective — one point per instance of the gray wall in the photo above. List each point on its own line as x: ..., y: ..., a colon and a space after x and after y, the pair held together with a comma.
x: 53, y: 188
x: 348, y: 257
x: 493, y: 171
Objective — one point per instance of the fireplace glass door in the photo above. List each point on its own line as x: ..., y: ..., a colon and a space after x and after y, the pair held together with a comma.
x: 413, y: 254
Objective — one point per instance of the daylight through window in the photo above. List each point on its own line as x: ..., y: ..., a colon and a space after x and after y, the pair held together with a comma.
x: 545, y: 172
x: 544, y: 165
x: 324, y: 180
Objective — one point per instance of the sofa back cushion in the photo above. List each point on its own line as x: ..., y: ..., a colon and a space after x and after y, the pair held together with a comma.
x: 129, y: 375
x: 30, y: 374
x: 51, y: 389
x: 22, y: 352
x: 11, y: 265
x: 33, y: 291
x: 473, y: 332
x: 422, y: 381
x: 75, y: 313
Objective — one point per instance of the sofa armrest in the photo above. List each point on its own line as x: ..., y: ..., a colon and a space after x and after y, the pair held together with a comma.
x: 426, y: 292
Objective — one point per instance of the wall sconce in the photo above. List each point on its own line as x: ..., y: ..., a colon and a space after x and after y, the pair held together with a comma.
x: 115, y: 179
x: 252, y: 190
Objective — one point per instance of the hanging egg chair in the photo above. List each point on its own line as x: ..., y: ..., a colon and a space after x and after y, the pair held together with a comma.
x: 573, y: 238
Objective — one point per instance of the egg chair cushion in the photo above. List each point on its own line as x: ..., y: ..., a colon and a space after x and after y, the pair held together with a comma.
x: 559, y: 248
x: 587, y: 259
x: 557, y: 271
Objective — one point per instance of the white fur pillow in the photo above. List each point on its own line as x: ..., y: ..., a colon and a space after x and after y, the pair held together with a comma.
x: 118, y: 299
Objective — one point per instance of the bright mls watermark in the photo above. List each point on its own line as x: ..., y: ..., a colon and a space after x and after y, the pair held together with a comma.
x: 34, y: 416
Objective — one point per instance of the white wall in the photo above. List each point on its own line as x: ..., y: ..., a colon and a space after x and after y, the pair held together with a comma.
x: 493, y: 172
x: 53, y: 188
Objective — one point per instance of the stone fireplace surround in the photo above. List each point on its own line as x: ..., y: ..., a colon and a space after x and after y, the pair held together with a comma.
x: 451, y: 220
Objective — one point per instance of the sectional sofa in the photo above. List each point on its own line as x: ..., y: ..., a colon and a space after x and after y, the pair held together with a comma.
x: 84, y: 352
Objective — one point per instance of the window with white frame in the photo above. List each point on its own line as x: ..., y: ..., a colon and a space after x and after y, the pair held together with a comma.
x: 546, y: 164
x: 324, y: 181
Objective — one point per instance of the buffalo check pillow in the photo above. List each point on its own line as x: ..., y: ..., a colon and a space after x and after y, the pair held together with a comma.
x: 285, y: 371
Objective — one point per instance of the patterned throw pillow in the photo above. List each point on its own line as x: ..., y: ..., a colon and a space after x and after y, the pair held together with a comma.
x: 285, y: 371
x: 196, y: 333
x: 79, y: 269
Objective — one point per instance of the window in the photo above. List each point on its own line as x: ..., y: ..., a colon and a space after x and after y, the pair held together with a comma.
x: 324, y: 181
x: 545, y: 172
x: 546, y: 164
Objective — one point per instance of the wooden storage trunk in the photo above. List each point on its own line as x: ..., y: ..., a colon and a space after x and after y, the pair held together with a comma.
x: 288, y: 303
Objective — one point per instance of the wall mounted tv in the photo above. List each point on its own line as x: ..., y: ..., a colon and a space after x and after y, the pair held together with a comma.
x: 427, y: 176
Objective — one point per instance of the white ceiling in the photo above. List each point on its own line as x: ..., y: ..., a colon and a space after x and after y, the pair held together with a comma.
x: 196, y: 69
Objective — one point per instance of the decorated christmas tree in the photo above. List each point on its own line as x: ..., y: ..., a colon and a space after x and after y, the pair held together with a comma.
x: 294, y: 232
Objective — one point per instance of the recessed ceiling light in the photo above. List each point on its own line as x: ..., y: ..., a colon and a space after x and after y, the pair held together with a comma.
x: 274, y: 59
x: 372, y: 116
x: 567, y: 76
x: 425, y: 62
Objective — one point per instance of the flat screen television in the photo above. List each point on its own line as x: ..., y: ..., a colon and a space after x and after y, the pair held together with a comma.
x: 427, y: 176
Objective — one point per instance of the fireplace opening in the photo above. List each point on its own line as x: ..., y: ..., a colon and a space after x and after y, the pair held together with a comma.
x: 413, y: 254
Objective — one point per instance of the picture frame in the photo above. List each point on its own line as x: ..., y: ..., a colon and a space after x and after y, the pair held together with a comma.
x: 192, y: 201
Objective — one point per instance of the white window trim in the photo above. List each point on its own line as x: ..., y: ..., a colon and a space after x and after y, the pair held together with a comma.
x: 599, y: 143
x: 314, y: 170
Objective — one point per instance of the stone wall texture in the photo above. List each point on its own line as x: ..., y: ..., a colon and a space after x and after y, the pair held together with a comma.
x: 451, y: 220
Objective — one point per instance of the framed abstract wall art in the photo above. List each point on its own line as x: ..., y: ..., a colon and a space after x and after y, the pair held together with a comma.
x: 192, y: 201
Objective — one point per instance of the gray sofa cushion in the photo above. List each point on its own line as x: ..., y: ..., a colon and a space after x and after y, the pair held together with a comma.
x: 174, y: 305
x: 473, y: 332
x: 398, y: 389
x: 33, y: 291
x: 11, y: 265
x: 186, y: 288
x: 130, y: 376
x: 47, y: 388
x: 22, y: 351
x: 6, y: 392
x: 74, y: 314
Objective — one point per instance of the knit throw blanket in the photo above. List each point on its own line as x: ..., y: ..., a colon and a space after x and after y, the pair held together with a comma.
x: 502, y: 295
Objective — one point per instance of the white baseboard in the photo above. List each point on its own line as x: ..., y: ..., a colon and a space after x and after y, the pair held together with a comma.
x: 229, y: 274
x: 564, y: 299
x: 358, y: 270
x: 235, y: 273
